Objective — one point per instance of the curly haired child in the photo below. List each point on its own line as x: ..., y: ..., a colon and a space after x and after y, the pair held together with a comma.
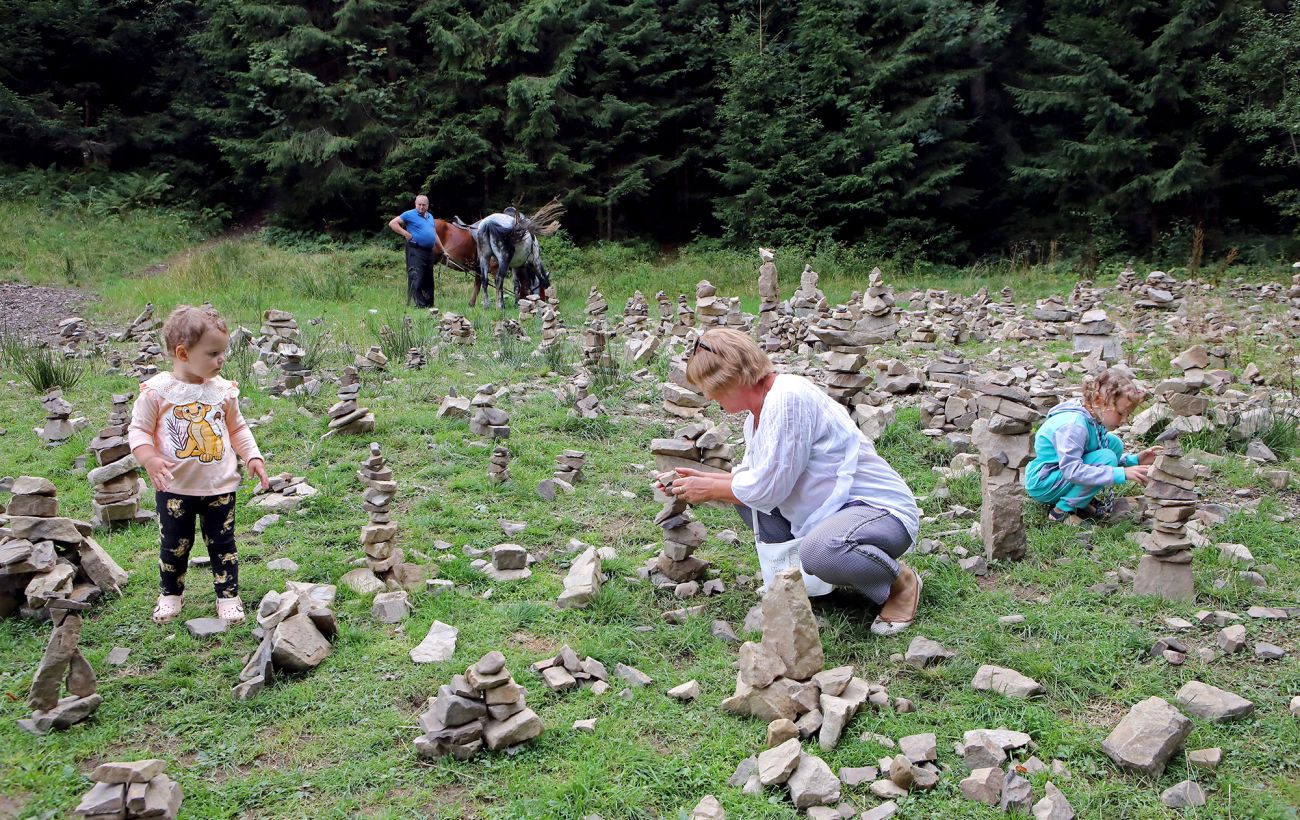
x: 186, y: 430
x: 1076, y: 455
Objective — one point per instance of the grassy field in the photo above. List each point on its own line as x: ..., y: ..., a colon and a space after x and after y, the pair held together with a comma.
x: 336, y: 742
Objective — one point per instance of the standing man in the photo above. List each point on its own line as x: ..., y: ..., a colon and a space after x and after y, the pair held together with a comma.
x: 418, y: 227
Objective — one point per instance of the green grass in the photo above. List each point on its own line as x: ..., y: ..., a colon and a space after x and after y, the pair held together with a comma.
x: 336, y: 742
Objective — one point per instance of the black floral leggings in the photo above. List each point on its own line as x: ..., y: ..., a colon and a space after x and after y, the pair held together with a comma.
x: 216, y: 514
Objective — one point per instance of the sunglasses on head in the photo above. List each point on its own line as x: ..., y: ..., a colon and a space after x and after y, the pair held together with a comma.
x: 699, y: 343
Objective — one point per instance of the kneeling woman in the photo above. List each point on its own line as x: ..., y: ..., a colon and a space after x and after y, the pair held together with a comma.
x: 808, y: 473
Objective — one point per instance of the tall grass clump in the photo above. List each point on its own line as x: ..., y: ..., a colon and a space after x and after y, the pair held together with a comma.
x: 42, y: 366
x: 398, y: 333
x: 510, y: 349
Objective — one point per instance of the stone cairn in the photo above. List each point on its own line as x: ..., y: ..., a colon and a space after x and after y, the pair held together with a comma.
x: 683, y: 535
x: 703, y: 446
x: 1166, y: 568
x: 846, y: 357
x: 116, y: 480
x: 297, y: 626
x: 1127, y: 278
x: 1003, y: 436
x: 680, y: 397
x: 585, y: 403
x: 509, y: 563
x: 879, y: 322
x: 666, y: 313
x: 808, y: 300
x: 145, y: 364
x: 46, y: 558
x: 372, y: 359
x: 384, y: 559
x: 1094, y: 337
x: 1159, y: 291
x: 566, y: 672
x: 642, y: 340
x: 636, y: 313
x: 346, y: 416
x: 143, y: 325
x: 568, y: 472
x: 62, y: 664
x: 488, y: 421
x: 284, y: 494
x: 530, y: 306
x: 483, y: 707
x: 456, y: 329
x: 415, y: 359
x: 553, y: 329
x: 135, y: 788
x: 499, y: 465
x: 278, y: 347
x: 685, y: 317
x: 1182, y: 394
x: 710, y: 309
x: 595, y: 336
x: 509, y: 329
x: 769, y: 294
x: 59, y: 426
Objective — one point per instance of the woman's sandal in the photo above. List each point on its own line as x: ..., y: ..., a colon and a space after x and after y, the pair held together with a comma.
x: 167, y: 608
x: 231, y: 610
x: 885, y: 627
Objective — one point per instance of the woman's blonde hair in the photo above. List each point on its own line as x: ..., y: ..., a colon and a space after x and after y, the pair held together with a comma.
x: 1109, y: 386
x: 725, y: 359
x: 186, y: 325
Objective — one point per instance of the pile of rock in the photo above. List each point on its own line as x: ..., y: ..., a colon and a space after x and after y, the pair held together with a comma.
x: 808, y: 300
x: 665, y: 313
x: 509, y: 563
x: 553, y: 329
x: 488, y: 421
x: 141, y: 327
x: 509, y: 329
x: 810, y: 781
x: 346, y: 416
x: 683, y: 535
x: 145, y: 364
x: 372, y: 359
x: 1003, y: 436
x: 385, y: 565
x: 586, y: 404
x: 595, y: 336
x: 846, y: 358
x: 1166, y: 567
x: 1094, y: 336
x: 685, y: 317
x: 415, y: 359
x: 72, y: 330
x: 769, y: 295
x: 879, y: 323
x: 530, y: 306
x: 59, y: 424
x: 45, y: 557
x: 1189, y: 409
x: 710, y: 309
x: 1160, y: 291
x: 116, y: 479
x: 62, y: 660
x: 680, y: 397
x: 568, y: 466
x: 136, y: 788
x: 284, y: 494
x: 456, y: 329
x: 483, y: 707
x: 582, y: 581
x: 296, y: 628
x: 278, y: 347
x: 566, y: 673
x: 499, y: 465
x: 701, y: 445
x: 636, y: 313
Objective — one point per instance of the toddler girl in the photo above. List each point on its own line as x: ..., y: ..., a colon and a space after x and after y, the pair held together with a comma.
x: 1075, y: 455
x: 186, y: 430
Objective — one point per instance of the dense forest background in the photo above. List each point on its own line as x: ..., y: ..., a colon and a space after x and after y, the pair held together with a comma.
x: 942, y: 128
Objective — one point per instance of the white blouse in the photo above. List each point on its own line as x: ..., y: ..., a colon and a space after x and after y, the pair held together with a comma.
x: 808, y: 458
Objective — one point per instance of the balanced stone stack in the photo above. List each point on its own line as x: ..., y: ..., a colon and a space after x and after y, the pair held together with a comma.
x: 499, y: 465
x: 680, y: 396
x: 415, y: 359
x: 552, y: 328
x: 278, y: 346
x: 879, y: 323
x: 595, y: 336
x: 59, y: 424
x: 636, y: 313
x: 62, y: 663
x: 297, y: 626
x: 585, y: 403
x: 346, y: 416
x: 488, y: 421
x: 808, y: 300
x: 1182, y: 396
x: 456, y: 329
x: 45, y: 557
x: 769, y: 295
x: 710, y: 309
x: 685, y: 317
x: 509, y: 563
x: 509, y: 329
x: 846, y: 358
x: 116, y: 479
x: 1054, y: 310
x: 142, y: 326
x: 372, y: 359
x: 384, y: 559
x: 1160, y: 291
x: 1166, y: 568
x: 568, y: 466
x: 1003, y: 436
x: 145, y: 364
x: 1094, y: 336
x: 665, y: 313
x: 1127, y: 279
x: 683, y: 535
x: 483, y: 707
x: 127, y: 789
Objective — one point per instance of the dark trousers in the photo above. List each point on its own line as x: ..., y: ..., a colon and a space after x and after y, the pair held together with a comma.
x: 216, y: 514
x: 419, y: 275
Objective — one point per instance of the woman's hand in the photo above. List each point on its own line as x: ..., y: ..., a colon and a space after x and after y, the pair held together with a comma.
x: 694, y: 486
x: 258, y: 468
x: 1148, y: 456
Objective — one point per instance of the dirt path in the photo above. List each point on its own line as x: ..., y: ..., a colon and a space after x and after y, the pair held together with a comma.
x: 36, y: 310
x: 229, y: 235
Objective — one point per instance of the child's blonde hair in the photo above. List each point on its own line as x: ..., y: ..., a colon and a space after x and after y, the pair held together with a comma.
x: 725, y: 359
x: 1109, y: 386
x: 186, y: 325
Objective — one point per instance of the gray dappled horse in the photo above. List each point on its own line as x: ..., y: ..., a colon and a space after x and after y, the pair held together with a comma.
x: 510, y: 239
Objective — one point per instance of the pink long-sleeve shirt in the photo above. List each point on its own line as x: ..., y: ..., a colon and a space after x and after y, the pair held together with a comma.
x: 197, y: 426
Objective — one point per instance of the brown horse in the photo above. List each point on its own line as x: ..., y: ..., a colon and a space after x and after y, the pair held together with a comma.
x: 460, y: 251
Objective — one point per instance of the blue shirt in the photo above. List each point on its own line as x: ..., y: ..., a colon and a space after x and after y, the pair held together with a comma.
x: 422, y: 228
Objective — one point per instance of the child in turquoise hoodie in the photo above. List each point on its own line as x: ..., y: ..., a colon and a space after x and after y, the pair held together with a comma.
x: 1076, y: 455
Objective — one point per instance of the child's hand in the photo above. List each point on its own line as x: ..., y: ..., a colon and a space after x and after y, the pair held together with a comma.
x: 258, y: 468
x: 160, y: 472
x: 1148, y: 456
x: 1138, y: 474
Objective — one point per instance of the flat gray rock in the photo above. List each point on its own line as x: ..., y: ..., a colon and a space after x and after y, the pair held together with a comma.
x: 1005, y: 681
x: 206, y: 627
x: 438, y: 645
x: 1145, y: 738
x: 1212, y: 703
